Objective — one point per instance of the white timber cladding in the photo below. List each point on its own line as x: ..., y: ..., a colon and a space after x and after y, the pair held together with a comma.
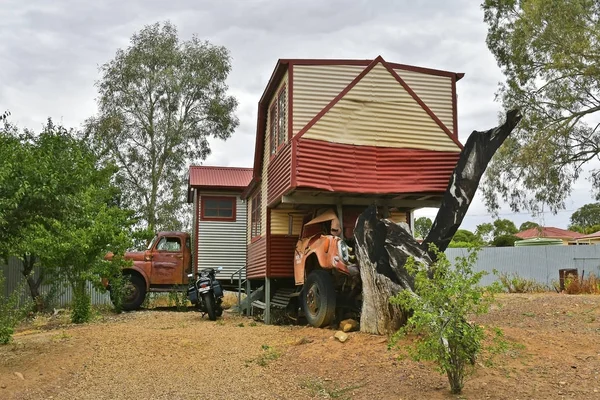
x: 378, y: 111
x: 267, y: 153
x: 280, y: 221
x: 435, y: 91
x: 222, y: 243
x: 315, y: 86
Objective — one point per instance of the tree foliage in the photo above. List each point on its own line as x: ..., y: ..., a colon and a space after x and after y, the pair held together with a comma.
x: 422, y: 227
x: 548, y: 51
x: 443, y: 303
x: 160, y: 101
x: 465, y: 238
x: 488, y: 232
x: 586, y: 216
x: 59, y: 203
x: 528, y: 225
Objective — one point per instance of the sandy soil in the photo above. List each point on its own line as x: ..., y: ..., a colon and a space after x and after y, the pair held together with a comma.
x: 158, y: 354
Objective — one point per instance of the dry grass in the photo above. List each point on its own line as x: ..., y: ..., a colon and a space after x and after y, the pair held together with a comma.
x: 230, y: 299
x: 589, y: 285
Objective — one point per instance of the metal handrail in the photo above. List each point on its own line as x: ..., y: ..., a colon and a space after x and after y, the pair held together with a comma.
x: 239, y: 272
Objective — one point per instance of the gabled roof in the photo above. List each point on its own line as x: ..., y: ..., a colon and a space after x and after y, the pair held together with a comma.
x: 282, y: 67
x: 219, y: 177
x: 548, y: 232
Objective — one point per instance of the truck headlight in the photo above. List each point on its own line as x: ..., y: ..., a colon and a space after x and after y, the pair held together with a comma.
x: 343, y: 251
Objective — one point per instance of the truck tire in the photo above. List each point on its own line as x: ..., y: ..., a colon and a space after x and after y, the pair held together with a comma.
x: 318, y: 298
x: 209, y: 303
x: 136, y: 288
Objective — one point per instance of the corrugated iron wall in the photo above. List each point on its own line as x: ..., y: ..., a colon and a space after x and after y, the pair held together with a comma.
x: 378, y: 111
x: 370, y: 169
x: 14, y: 278
x: 223, y: 244
x: 315, y: 86
x: 540, y: 263
x: 280, y: 173
x: 281, y: 256
x: 257, y: 259
x: 434, y: 90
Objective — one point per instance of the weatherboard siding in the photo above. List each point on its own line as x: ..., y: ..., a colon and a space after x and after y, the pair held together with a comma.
x: 220, y: 243
x: 315, y: 86
x: 378, y: 111
x: 435, y: 91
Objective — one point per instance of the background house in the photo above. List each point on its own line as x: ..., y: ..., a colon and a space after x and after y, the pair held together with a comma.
x: 568, y: 237
x: 219, y: 226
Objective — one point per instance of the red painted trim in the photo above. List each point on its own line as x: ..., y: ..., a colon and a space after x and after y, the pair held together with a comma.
x: 454, y: 102
x: 197, y: 236
x: 337, y: 98
x: 422, y: 104
x: 228, y: 219
x: 267, y: 269
x: 221, y: 188
x: 290, y: 107
x: 428, y: 71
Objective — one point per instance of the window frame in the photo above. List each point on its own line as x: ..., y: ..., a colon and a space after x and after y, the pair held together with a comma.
x: 233, y: 201
x: 256, y: 216
x: 277, y: 119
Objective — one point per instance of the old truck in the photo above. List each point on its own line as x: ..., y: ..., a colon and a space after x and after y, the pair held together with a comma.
x: 162, y: 267
x: 325, y: 271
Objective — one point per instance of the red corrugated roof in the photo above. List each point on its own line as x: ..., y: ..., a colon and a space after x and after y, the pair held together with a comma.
x: 591, y: 235
x: 548, y: 232
x: 219, y: 177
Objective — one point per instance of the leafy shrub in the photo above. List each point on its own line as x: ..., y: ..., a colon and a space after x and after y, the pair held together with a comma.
x: 505, y: 241
x: 513, y: 283
x: 12, y: 311
x: 439, y: 314
x: 178, y: 298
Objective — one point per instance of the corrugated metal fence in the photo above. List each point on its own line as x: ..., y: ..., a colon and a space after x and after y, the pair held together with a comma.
x: 540, y: 263
x: 14, y: 278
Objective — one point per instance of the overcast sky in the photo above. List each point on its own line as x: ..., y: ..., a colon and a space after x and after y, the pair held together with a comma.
x: 51, y: 50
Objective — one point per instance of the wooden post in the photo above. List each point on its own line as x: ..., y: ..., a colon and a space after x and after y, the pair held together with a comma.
x: 267, y: 301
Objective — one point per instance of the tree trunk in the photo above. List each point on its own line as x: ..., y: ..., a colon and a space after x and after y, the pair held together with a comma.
x: 32, y: 282
x: 383, y: 247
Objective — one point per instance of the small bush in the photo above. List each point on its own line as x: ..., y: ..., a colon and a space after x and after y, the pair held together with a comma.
x: 441, y: 304
x: 513, y: 283
x: 82, y: 304
x: 576, y: 285
x: 11, y: 311
x: 178, y: 298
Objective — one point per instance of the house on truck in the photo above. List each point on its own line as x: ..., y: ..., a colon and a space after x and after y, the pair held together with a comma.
x: 219, y: 223
x: 337, y: 136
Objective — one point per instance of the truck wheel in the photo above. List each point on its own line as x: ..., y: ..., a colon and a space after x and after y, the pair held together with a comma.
x: 318, y: 298
x: 135, y: 293
x: 209, y: 303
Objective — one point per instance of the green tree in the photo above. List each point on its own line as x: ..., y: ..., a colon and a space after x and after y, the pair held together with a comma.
x: 485, y: 231
x: 160, y: 101
x: 503, y: 227
x: 58, y: 205
x: 504, y: 241
x: 548, y: 52
x: 586, y: 216
x: 422, y: 227
x: 441, y: 304
x: 528, y: 225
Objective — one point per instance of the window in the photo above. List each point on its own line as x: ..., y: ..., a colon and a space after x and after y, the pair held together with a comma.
x: 217, y: 208
x: 169, y: 244
x: 278, y: 122
x: 255, y: 216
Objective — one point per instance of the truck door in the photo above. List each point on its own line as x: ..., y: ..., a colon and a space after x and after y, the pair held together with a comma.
x: 167, y: 262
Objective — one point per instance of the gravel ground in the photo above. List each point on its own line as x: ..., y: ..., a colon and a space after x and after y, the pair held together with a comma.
x: 156, y: 354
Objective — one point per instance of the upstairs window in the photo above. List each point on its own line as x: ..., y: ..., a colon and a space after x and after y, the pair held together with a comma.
x: 278, y: 122
x: 217, y: 208
x: 255, y: 216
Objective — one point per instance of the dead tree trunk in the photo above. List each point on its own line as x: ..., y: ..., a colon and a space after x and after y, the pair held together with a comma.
x: 382, y: 247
